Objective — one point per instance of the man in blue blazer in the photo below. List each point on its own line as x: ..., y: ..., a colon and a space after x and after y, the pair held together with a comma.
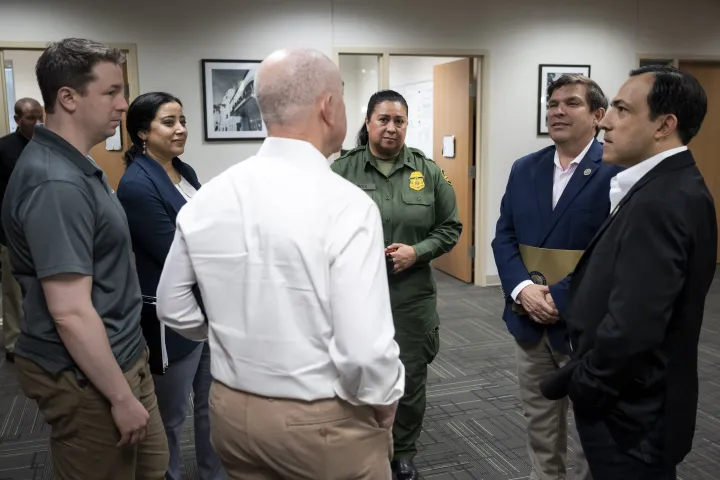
x: 555, y: 201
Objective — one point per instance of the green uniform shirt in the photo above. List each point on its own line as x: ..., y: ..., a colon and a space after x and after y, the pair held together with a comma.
x: 418, y: 208
x: 385, y: 166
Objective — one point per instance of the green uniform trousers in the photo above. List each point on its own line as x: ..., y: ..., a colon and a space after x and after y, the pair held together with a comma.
x: 414, y: 299
x: 416, y: 353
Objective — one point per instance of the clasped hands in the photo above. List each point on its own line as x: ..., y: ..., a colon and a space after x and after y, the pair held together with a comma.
x: 537, y: 301
x: 404, y: 256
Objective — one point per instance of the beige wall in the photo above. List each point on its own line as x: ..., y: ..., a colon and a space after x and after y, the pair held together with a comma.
x: 172, y: 40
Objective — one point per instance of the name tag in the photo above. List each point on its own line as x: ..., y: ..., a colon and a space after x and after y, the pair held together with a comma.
x: 366, y: 186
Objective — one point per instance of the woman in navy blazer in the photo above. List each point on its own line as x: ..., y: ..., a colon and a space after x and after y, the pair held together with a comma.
x: 152, y: 191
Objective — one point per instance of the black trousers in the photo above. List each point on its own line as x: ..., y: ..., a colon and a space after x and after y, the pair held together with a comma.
x: 608, y: 461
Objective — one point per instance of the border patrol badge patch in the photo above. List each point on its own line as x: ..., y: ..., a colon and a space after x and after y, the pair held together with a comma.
x: 445, y: 177
x: 417, y: 181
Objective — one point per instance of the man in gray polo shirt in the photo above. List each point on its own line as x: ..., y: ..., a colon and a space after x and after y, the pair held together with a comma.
x: 81, y: 354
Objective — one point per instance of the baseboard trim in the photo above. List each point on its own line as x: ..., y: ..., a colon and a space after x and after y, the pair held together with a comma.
x: 492, y: 280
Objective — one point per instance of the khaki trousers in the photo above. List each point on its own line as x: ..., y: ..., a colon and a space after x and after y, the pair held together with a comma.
x: 12, y: 311
x: 260, y: 438
x: 547, y: 420
x: 83, y: 434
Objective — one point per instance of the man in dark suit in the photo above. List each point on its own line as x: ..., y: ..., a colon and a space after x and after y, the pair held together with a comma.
x: 638, y: 293
x: 556, y: 200
x: 28, y: 113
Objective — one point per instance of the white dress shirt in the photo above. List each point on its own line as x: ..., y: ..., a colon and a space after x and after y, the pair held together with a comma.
x: 289, y: 258
x: 561, y: 178
x: 621, y: 183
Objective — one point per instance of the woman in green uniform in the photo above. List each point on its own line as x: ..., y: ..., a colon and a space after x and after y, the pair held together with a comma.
x: 420, y: 222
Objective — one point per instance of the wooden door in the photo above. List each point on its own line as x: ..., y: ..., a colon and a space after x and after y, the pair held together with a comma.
x: 112, y: 161
x: 453, y: 116
x: 706, y: 144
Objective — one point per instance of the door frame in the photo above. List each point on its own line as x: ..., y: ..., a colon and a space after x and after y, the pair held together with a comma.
x: 131, y: 62
x: 482, y: 56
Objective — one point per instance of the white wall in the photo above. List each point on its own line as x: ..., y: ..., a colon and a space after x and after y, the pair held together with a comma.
x: 406, y: 70
x: 171, y: 42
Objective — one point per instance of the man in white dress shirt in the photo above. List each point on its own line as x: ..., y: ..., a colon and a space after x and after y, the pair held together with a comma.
x: 555, y: 201
x: 290, y: 263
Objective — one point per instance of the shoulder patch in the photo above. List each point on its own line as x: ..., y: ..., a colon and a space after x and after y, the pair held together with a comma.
x: 445, y: 177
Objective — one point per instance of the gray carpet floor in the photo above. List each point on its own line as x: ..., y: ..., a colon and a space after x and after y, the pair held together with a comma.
x: 474, y: 427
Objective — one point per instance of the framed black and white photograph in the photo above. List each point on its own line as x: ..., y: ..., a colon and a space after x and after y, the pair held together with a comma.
x: 230, y: 107
x: 547, y: 75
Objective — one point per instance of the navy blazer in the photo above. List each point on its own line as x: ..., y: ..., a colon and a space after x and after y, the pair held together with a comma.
x: 527, y: 217
x: 151, y: 204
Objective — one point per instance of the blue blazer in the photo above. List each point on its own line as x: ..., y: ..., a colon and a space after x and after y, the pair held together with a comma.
x: 527, y: 217
x: 151, y: 204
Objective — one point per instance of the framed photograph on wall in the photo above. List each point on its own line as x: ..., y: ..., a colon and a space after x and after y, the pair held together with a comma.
x: 230, y: 107
x: 547, y: 75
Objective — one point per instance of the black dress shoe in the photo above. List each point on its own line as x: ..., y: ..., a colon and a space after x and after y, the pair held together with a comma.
x: 404, y: 470
x: 10, y: 356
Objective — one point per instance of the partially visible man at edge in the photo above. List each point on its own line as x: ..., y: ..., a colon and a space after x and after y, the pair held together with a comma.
x: 638, y: 294
x: 289, y: 259
x: 81, y: 354
x: 28, y: 113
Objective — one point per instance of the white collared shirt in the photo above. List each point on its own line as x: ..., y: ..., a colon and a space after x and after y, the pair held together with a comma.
x: 289, y: 258
x: 621, y: 183
x: 561, y: 178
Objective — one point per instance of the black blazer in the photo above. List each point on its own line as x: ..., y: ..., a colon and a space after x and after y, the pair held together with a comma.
x: 637, y: 303
x: 151, y: 204
x: 11, y: 146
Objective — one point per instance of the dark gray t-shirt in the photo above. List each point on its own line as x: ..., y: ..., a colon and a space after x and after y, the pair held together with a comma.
x: 60, y: 216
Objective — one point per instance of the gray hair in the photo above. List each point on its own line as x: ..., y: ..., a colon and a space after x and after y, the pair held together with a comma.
x: 289, y: 83
x: 70, y: 63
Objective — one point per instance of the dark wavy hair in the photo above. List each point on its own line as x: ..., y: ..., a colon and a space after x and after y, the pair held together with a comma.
x: 140, y: 115
x: 376, y: 99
